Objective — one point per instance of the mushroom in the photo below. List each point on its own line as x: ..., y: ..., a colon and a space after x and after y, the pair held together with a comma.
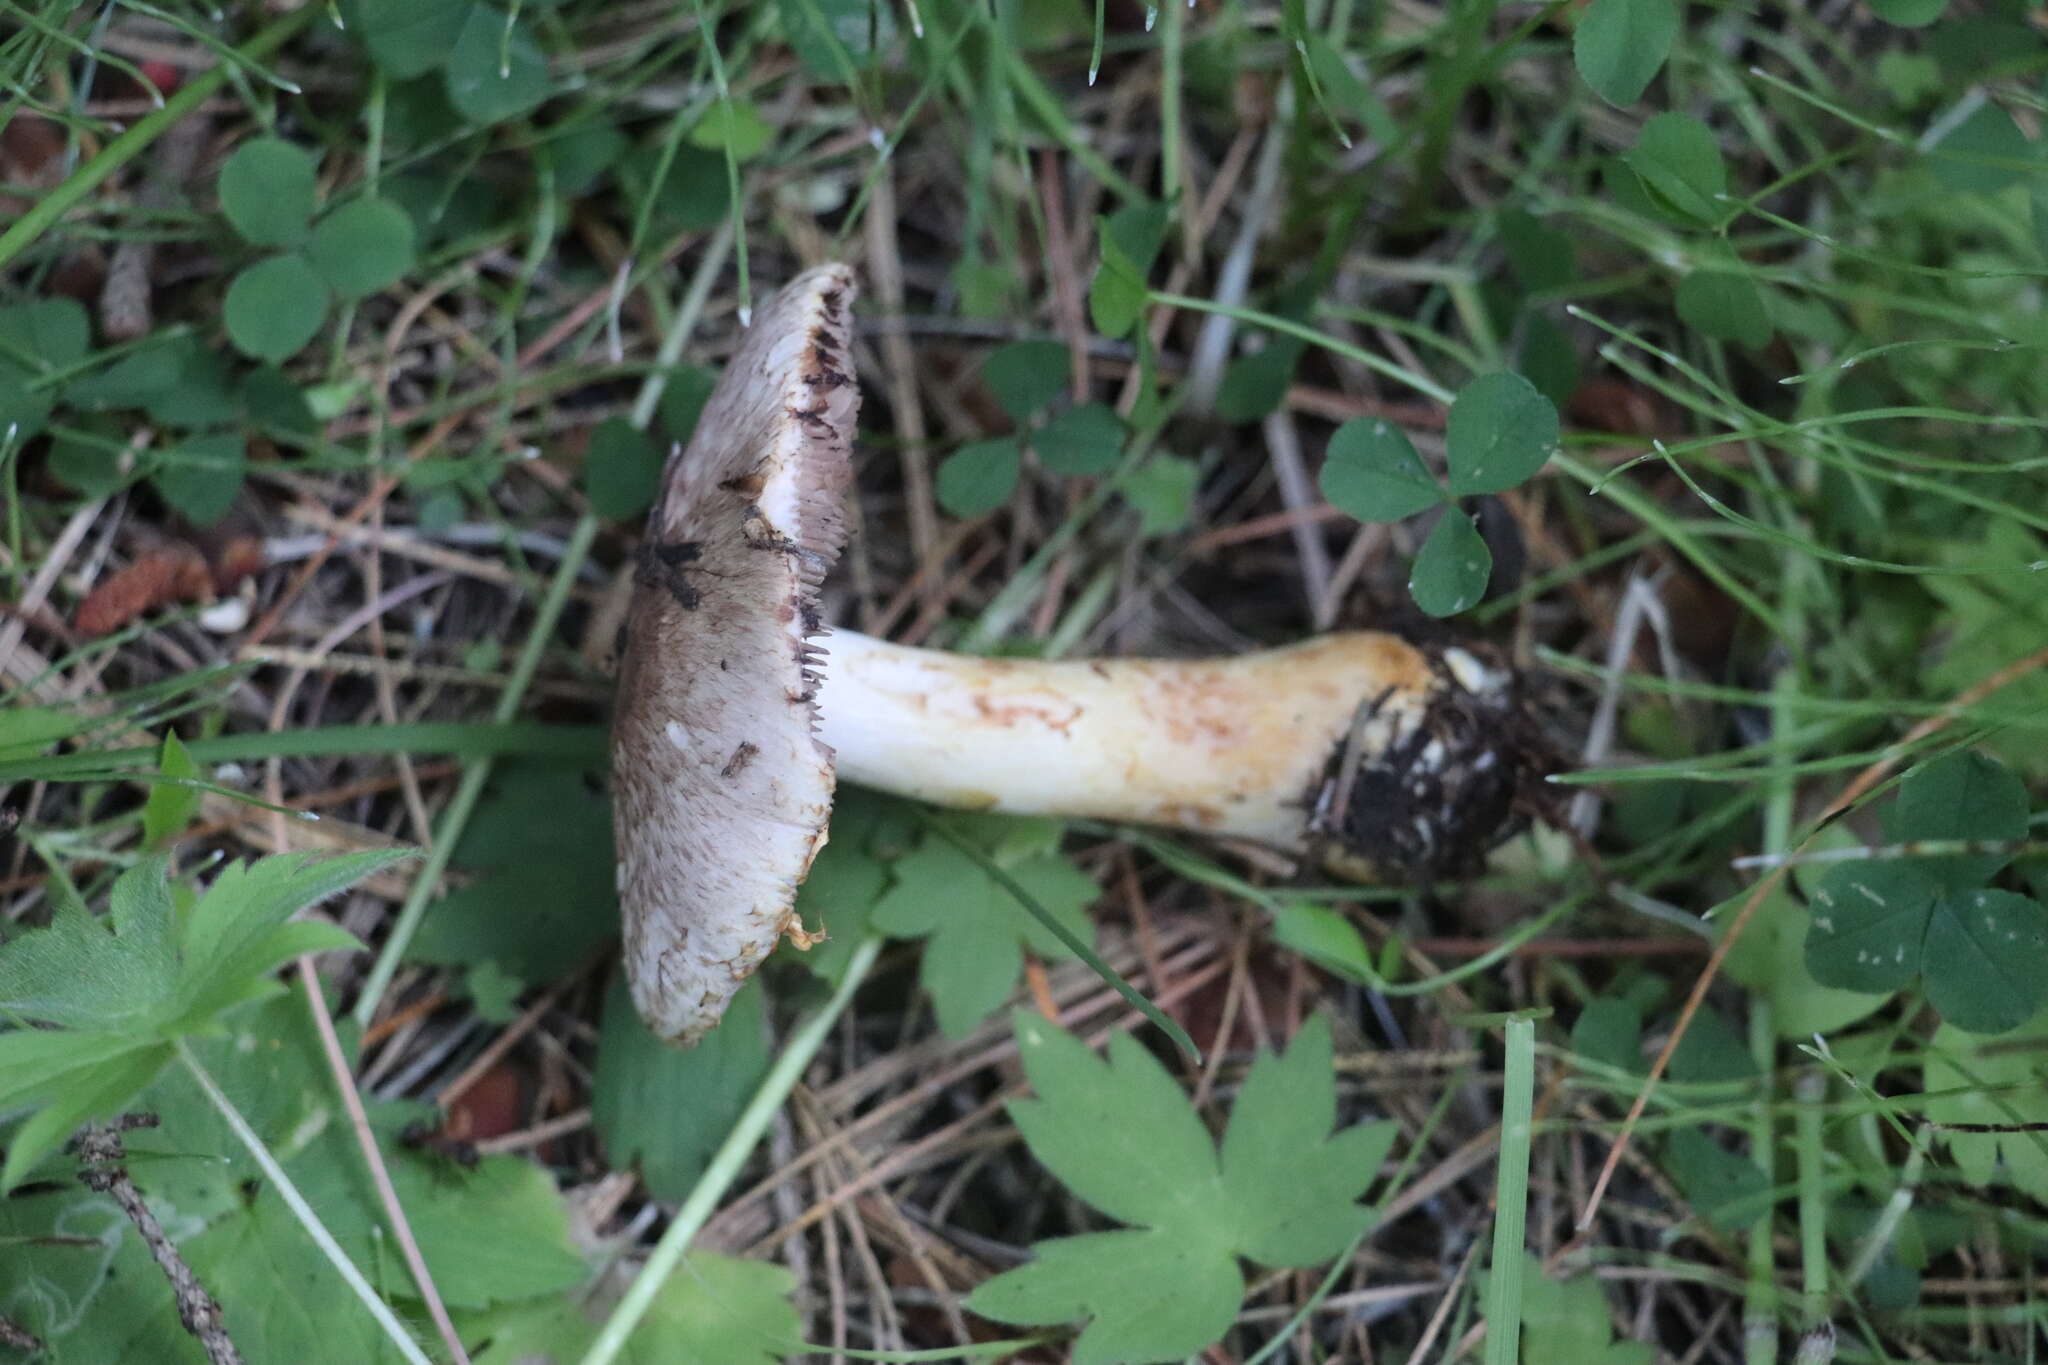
x: 1376, y: 756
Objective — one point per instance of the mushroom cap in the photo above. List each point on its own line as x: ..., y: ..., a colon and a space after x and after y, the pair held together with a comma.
x: 721, y: 790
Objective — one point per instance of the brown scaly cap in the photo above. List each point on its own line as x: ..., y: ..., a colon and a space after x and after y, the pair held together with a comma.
x: 721, y: 790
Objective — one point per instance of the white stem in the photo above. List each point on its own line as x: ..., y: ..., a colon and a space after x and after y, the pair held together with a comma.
x: 1241, y: 746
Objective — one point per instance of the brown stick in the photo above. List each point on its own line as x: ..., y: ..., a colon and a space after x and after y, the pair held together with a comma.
x: 99, y: 1148
x: 18, y: 1338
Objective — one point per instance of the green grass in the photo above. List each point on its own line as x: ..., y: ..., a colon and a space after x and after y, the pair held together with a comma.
x: 1782, y: 294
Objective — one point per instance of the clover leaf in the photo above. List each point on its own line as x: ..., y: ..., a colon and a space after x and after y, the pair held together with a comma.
x: 1881, y: 923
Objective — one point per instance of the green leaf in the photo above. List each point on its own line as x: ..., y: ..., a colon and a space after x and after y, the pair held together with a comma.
x: 491, y: 76
x: 1130, y: 239
x: 733, y: 126
x: 694, y: 194
x: 1712, y: 1051
x: 1372, y: 472
x: 1609, y: 1030
x: 201, y: 476
x: 1869, y: 921
x: 1540, y: 255
x: 1546, y: 358
x: 1082, y: 440
x: 975, y: 927
x: 1679, y: 166
x: 1724, y: 305
x: 407, y: 38
x: 1970, y: 1081
x: 85, y: 973
x: 831, y: 37
x: 27, y: 731
x: 664, y: 1112
x: 540, y: 900
x: 1152, y: 1295
x: 1121, y: 1135
x: 287, y: 1303
x: 1566, y: 1322
x: 683, y: 396
x: 54, y: 333
x: 1983, y: 154
x: 1162, y: 492
x: 1500, y: 432
x: 1451, y: 570
x: 99, y: 1093
x: 1986, y: 959
x: 1343, y: 91
x: 233, y: 937
x: 275, y: 307
x: 1990, y: 620
x: 1723, y: 1188
x: 1620, y: 46
x: 846, y: 880
x: 715, y: 1310
x: 70, y: 1076
x: 363, y: 246
x: 496, y: 1233
x: 1026, y: 376
x: 1962, y: 795
x: 153, y: 370
x: 267, y: 191
x: 1256, y: 384
x: 621, y: 471
x: 1324, y: 936
x: 1292, y: 1183
x: 1908, y: 13
x: 36, y: 339
x: 977, y: 479
x: 276, y: 405
x: 1770, y: 960
x: 171, y: 805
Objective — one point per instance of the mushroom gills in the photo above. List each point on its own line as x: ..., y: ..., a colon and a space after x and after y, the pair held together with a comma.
x: 1365, y: 751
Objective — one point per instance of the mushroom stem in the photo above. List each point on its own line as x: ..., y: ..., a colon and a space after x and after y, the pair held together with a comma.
x: 1359, y: 747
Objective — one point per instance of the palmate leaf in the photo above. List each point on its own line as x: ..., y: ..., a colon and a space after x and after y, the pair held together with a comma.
x: 975, y: 929
x: 120, y: 991
x: 1121, y: 1135
x: 238, y: 932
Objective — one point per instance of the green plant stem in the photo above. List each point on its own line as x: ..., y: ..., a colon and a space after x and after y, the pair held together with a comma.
x: 1760, y: 1289
x: 54, y: 205
x: 456, y: 818
x: 726, y: 1162
x: 296, y: 1202
x: 1810, y: 1094
x: 1511, y: 1196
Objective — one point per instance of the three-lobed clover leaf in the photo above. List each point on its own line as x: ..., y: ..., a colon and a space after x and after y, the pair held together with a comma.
x: 1500, y: 432
x: 1027, y: 378
x: 276, y: 305
x: 1282, y: 1190
x: 1879, y: 924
